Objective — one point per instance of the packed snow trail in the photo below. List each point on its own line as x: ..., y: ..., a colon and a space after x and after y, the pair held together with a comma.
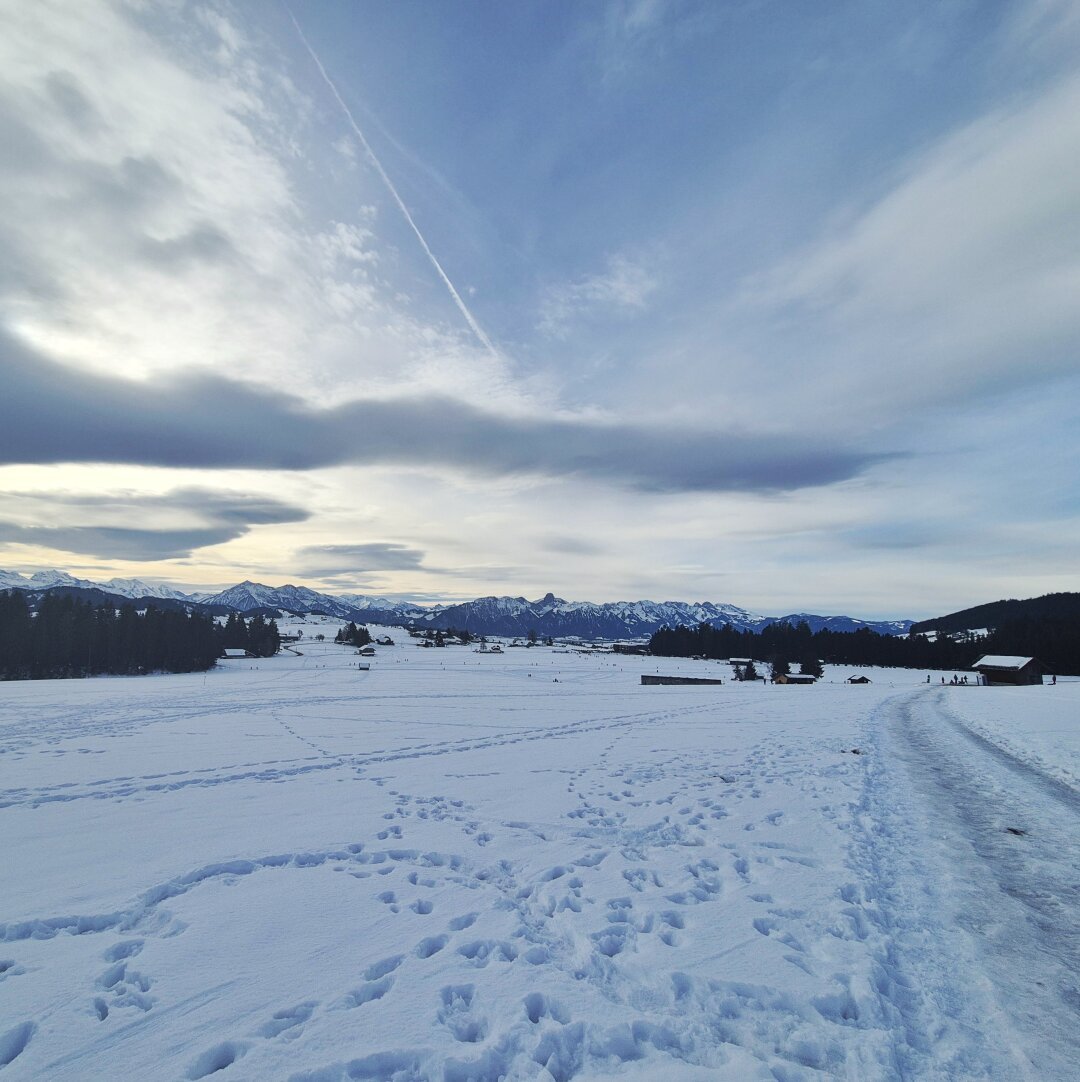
x: 970, y: 884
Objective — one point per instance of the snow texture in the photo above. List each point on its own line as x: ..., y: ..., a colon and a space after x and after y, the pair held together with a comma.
x: 462, y: 867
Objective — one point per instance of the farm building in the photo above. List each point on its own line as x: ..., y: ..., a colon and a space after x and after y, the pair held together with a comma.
x: 858, y: 680
x: 1003, y: 669
x: 678, y: 680
x: 233, y: 654
x: 794, y: 678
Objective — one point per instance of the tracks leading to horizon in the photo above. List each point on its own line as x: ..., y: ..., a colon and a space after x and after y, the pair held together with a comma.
x: 971, y: 860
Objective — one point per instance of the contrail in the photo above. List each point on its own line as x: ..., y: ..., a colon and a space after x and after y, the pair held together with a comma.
x: 470, y: 319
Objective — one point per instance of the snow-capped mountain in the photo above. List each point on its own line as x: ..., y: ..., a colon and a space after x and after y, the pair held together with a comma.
x: 138, y: 588
x: 842, y: 623
x: 46, y: 580
x: 554, y: 616
x: 50, y: 579
x: 247, y: 595
x: 549, y: 615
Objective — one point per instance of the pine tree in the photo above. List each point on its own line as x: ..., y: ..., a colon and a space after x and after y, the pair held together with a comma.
x: 779, y: 666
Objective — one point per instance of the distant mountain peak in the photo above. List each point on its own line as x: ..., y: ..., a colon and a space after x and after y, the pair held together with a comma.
x: 550, y: 615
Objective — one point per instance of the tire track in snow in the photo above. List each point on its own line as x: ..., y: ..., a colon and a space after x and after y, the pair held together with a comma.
x: 976, y: 929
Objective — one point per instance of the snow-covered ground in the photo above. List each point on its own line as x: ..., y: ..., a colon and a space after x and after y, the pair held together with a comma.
x: 456, y: 867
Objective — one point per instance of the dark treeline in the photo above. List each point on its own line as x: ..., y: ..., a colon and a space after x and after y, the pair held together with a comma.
x: 70, y: 638
x: 1056, y: 643
x: 1063, y: 607
x: 351, y: 635
x: 258, y: 635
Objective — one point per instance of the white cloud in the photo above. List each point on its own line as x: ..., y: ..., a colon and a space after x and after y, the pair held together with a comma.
x: 623, y: 287
x: 171, y: 214
x: 962, y: 280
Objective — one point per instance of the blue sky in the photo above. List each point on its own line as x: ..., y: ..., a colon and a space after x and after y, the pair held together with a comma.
x: 767, y: 303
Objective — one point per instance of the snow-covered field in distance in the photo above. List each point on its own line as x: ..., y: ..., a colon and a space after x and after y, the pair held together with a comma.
x: 458, y: 867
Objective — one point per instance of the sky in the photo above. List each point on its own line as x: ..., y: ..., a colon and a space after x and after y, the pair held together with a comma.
x: 766, y: 303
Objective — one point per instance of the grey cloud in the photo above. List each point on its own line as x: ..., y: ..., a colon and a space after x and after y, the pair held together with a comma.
x: 906, y: 536
x: 67, y: 95
x: 22, y: 151
x: 572, y: 546
x: 218, y: 516
x: 204, y: 244
x: 209, y: 504
x: 50, y: 413
x: 371, y: 556
x: 119, y: 543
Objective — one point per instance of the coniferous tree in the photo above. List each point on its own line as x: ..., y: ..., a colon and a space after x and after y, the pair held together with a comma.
x: 70, y: 638
x: 351, y: 635
x: 779, y: 666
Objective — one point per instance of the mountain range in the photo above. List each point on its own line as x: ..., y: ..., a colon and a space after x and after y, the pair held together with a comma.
x: 510, y: 616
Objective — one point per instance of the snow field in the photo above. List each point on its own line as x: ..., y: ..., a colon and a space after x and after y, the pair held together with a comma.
x: 464, y: 867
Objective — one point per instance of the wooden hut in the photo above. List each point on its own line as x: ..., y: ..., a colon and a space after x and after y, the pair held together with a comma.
x: 1002, y: 669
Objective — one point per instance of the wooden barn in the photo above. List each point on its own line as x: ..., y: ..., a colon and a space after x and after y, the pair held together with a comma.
x: 794, y: 678
x: 1001, y: 669
x: 678, y: 680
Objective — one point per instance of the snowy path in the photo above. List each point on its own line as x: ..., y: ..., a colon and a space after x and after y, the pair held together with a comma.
x: 462, y: 869
x: 971, y: 861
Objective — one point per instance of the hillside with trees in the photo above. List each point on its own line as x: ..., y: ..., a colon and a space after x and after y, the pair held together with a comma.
x: 1056, y: 643
x: 1059, y: 607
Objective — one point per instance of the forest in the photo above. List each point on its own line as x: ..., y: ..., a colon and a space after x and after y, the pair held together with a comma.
x: 69, y: 638
x: 1055, y: 643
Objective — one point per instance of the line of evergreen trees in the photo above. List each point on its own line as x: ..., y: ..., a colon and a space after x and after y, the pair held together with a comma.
x: 1056, y: 643
x: 351, y: 635
x: 258, y: 635
x: 70, y: 638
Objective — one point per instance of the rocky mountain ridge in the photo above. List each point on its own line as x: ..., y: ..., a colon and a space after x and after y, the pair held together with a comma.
x: 507, y: 616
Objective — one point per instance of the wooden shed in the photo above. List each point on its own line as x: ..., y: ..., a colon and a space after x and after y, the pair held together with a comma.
x: 1002, y: 669
x: 794, y: 678
x: 677, y: 680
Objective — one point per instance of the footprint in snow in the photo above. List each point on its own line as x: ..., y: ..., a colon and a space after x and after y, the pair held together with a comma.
x: 456, y: 1013
x: 432, y: 945
x: 382, y: 968
x: 217, y: 1059
x: 366, y: 993
x: 288, y: 1022
x: 13, y: 1043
